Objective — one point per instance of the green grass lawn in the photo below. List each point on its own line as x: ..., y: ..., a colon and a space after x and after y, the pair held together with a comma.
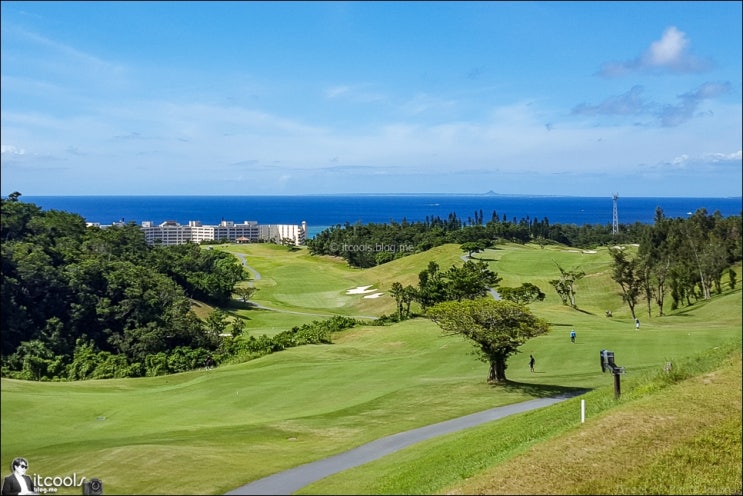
x: 663, y: 436
x: 298, y: 281
x: 162, y: 435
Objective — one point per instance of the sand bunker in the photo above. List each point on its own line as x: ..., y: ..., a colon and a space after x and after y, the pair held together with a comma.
x: 364, y: 290
x: 360, y: 290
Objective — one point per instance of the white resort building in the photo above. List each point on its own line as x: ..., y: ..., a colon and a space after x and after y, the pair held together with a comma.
x: 171, y: 232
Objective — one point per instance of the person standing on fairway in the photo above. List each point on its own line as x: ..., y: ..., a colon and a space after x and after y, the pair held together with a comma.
x: 637, y: 324
x: 531, y: 362
x: 572, y: 335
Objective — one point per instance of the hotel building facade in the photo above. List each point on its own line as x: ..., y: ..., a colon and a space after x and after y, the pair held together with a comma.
x: 171, y: 232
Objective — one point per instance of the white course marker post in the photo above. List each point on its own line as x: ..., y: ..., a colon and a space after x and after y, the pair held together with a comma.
x: 582, y: 411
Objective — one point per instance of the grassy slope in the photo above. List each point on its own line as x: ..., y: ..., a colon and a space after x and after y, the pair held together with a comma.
x: 661, y: 437
x: 295, y: 281
x: 675, y: 441
x: 253, y: 419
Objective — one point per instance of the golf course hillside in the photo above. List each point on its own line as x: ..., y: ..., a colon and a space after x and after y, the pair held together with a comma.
x: 674, y: 429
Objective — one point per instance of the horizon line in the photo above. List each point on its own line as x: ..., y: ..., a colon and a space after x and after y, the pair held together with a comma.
x: 489, y: 193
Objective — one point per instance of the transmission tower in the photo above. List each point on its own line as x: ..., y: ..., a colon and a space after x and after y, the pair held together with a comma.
x: 614, y: 215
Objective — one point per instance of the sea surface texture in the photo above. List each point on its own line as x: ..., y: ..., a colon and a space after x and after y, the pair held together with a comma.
x: 322, y: 211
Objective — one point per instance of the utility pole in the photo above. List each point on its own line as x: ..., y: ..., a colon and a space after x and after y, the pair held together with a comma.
x: 615, y: 216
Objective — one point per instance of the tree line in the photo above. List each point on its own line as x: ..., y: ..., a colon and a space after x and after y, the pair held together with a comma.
x: 685, y: 259
x: 681, y: 258
x: 368, y: 245
x: 81, y: 302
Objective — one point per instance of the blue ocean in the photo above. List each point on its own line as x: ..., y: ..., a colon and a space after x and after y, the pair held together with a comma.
x: 322, y: 211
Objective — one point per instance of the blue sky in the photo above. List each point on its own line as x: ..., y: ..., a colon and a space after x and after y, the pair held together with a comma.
x: 546, y: 98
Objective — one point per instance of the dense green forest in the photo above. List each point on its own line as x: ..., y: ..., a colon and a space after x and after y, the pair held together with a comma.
x: 70, y: 292
x: 357, y: 243
x: 84, y: 302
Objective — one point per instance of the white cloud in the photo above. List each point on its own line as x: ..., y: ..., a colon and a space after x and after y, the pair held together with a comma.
x: 724, y: 157
x: 680, y: 160
x: 667, y: 51
x: 669, y: 54
x: 11, y: 150
x: 705, y: 161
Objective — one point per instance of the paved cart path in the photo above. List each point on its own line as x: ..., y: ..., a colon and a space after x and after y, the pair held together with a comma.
x: 243, y: 258
x: 292, y: 480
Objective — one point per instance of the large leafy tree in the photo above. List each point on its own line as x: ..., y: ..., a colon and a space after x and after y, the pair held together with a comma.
x: 497, y: 328
x: 471, y: 247
x: 397, y: 291
x: 122, y: 243
x: 524, y: 294
x: 628, y: 273
x: 431, y: 286
x: 404, y: 297
x: 15, y: 217
x: 209, y: 275
x: 656, y: 257
x: 409, y: 295
x: 471, y: 280
x: 245, y: 292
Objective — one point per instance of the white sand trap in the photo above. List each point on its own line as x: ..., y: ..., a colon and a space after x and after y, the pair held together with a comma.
x: 360, y: 290
x: 589, y: 251
x: 375, y: 295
